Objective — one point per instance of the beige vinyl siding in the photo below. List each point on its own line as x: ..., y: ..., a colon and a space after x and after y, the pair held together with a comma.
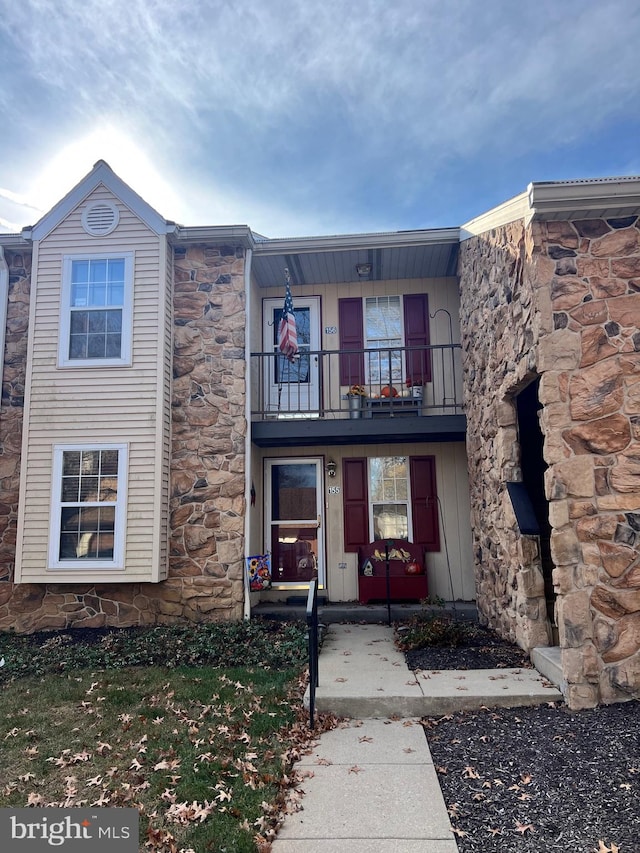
x: 453, y: 491
x: 95, y: 405
x: 442, y: 293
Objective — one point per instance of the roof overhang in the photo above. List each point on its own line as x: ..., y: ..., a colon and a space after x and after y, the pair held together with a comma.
x: 14, y: 241
x: 213, y: 235
x: 593, y: 198
x: 334, y: 259
x: 599, y: 198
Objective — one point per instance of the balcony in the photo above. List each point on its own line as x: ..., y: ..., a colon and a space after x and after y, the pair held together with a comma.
x: 311, y: 399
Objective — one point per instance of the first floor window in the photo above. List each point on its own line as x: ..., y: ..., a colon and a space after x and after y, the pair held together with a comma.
x: 88, y: 512
x: 390, y: 497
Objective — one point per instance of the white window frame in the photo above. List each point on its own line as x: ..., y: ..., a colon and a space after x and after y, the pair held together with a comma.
x: 124, y: 359
x: 117, y: 563
x: 406, y: 502
x: 368, y: 343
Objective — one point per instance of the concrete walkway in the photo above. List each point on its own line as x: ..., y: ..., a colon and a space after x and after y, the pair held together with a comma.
x: 370, y: 785
x: 374, y: 789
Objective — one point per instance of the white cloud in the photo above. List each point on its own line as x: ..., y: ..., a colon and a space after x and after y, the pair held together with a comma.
x: 293, y: 109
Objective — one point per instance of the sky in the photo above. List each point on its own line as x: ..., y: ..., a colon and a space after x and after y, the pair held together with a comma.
x: 301, y: 118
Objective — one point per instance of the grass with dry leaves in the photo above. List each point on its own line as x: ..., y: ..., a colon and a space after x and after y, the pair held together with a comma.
x: 204, y: 752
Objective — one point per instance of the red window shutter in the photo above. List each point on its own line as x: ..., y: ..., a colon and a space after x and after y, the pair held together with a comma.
x: 424, y: 504
x: 416, y: 334
x: 350, y: 326
x: 355, y: 503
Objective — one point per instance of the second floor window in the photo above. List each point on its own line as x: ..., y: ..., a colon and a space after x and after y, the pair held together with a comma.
x: 384, y: 339
x: 383, y: 331
x: 96, y: 317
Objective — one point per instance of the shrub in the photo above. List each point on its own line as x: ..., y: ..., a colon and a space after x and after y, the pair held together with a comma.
x: 425, y: 631
x: 269, y: 645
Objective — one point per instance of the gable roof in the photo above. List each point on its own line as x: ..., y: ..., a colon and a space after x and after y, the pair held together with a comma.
x: 103, y: 174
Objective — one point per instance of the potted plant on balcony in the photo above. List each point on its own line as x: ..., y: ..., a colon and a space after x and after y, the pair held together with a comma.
x: 355, y: 395
x: 415, y: 390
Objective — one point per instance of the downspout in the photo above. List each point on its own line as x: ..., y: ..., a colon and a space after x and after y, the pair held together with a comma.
x: 247, y: 414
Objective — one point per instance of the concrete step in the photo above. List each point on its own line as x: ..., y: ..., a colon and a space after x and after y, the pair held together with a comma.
x: 362, y: 676
x: 548, y: 661
x: 294, y: 609
x: 433, y: 693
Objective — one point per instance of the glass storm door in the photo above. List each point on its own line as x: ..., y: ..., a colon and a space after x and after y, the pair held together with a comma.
x: 294, y: 520
x: 292, y: 387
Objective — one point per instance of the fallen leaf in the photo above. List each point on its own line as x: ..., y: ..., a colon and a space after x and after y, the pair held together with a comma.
x: 355, y: 769
x: 460, y: 832
x: 34, y: 799
x: 524, y: 827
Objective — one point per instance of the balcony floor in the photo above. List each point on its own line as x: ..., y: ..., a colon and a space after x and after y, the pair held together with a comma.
x: 307, y: 432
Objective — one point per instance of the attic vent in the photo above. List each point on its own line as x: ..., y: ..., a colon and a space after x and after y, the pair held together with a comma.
x: 100, y: 218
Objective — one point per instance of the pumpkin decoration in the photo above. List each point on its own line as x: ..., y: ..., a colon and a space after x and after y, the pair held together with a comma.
x: 388, y: 391
x: 413, y: 568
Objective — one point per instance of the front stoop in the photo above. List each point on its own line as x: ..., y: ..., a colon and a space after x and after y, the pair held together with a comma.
x: 548, y: 661
x: 363, y: 676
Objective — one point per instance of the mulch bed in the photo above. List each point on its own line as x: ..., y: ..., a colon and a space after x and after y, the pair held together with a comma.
x: 481, y: 648
x: 519, y: 780
x: 525, y: 780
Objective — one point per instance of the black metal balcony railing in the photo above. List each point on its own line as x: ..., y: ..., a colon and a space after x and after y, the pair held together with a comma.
x: 357, y: 383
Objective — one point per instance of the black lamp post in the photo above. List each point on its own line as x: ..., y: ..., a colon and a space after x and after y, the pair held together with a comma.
x: 388, y: 547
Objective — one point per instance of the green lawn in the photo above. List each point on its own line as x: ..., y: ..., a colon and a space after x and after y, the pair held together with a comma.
x: 203, y: 751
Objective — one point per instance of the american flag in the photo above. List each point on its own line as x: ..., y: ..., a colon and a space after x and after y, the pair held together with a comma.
x: 287, y: 332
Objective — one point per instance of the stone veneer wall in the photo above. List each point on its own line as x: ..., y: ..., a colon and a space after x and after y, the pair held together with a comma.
x: 503, y: 311
x: 205, y: 580
x: 11, y: 411
x: 209, y: 431
x: 561, y: 300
